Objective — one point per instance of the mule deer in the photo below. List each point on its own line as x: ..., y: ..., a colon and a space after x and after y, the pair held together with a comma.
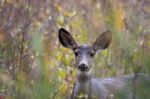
x: 86, y: 87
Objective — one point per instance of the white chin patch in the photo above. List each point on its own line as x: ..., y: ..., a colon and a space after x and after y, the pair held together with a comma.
x: 84, y: 73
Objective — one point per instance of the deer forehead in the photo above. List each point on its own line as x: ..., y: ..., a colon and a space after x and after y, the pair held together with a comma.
x: 84, y: 48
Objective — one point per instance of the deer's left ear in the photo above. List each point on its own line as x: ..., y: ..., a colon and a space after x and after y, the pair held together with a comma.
x: 103, y: 41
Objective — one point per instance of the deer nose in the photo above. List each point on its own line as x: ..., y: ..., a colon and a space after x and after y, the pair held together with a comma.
x: 83, y: 67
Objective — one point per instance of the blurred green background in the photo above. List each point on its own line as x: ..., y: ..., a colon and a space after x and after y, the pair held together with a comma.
x: 33, y: 64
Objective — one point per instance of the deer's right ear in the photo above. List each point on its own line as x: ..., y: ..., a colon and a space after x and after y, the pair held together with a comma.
x: 66, y: 39
x: 103, y: 41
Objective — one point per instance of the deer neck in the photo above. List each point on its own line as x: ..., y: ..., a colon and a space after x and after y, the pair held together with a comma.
x: 83, y: 81
x: 83, y: 84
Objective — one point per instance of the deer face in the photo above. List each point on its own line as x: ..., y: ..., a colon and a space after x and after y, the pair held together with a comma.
x: 84, y: 53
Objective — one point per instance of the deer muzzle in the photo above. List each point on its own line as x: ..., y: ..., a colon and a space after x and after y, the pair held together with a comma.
x: 83, y: 67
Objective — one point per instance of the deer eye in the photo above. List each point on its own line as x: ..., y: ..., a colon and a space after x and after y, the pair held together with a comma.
x: 76, y: 53
x: 92, y: 54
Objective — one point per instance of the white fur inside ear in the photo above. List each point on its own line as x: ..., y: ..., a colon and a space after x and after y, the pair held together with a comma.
x: 99, y: 51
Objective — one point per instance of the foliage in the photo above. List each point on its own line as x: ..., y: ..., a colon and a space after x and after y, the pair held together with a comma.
x: 33, y: 65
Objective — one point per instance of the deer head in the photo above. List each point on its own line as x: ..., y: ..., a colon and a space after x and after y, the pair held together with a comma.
x: 84, y: 53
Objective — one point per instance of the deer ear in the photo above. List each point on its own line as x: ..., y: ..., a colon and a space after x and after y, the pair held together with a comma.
x: 66, y: 39
x: 103, y: 41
